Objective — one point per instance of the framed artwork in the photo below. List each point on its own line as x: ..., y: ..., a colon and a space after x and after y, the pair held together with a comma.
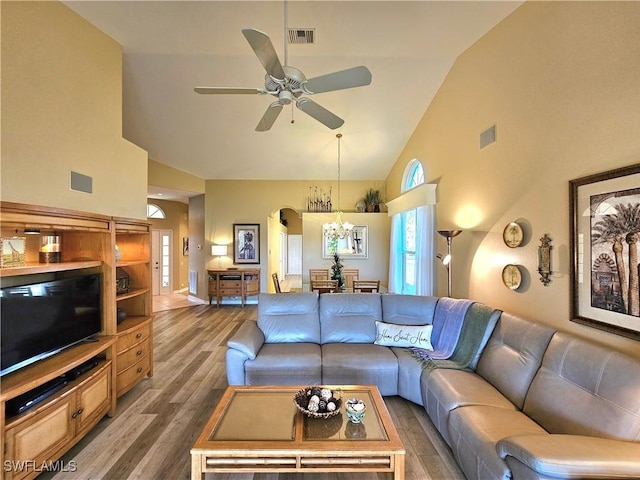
x: 12, y: 251
x: 246, y: 243
x: 605, y: 236
x: 185, y: 246
x: 352, y: 246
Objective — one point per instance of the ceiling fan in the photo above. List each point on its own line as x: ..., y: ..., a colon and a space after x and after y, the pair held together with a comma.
x: 287, y: 84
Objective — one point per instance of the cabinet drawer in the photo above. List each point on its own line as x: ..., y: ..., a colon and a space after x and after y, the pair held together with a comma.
x: 129, y: 339
x: 231, y: 284
x: 132, y: 375
x: 230, y: 291
x: 132, y: 355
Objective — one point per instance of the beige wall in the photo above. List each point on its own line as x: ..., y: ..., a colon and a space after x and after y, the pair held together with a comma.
x: 294, y: 221
x: 560, y: 81
x: 62, y: 112
x: 275, y: 228
x: 164, y: 176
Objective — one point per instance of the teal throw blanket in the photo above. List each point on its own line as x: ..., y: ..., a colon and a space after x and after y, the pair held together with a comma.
x: 479, y: 322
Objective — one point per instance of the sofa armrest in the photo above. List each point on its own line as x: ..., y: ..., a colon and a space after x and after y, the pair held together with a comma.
x: 573, y: 456
x: 248, y: 339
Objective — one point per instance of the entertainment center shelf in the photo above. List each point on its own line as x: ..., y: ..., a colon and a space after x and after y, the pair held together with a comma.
x: 34, y: 268
x: 102, y: 369
x: 36, y: 374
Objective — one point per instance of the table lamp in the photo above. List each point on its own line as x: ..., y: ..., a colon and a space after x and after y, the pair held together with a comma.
x: 219, y: 251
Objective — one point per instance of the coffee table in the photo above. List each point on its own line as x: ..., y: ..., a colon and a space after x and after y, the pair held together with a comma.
x: 259, y: 429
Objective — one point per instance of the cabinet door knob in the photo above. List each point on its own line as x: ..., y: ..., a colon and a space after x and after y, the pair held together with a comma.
x: 139, y: 335
x: 139, y: 369
x: 139, y: 352
x: 78, y: 412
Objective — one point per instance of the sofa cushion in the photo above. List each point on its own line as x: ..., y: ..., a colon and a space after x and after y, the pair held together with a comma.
x: 360, y: 364
x: 393, y: 335
x: 409, y: 371
x: 289, y: 318
x: 475, y: 430
x: 595, y: 390
x: 285, y: 364
x: 513, y: 355
x: 408, y: 309
x: 444, y: 390
x: 349, y: 317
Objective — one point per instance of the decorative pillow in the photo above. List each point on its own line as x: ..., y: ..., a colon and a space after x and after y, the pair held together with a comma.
x: 392, y: 335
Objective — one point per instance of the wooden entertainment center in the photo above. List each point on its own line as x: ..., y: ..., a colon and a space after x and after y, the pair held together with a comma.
x: 104, y: 369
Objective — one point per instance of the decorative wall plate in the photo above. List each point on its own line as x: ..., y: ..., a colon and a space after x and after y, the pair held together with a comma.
x: 512, y: 276
x: 513, y: 235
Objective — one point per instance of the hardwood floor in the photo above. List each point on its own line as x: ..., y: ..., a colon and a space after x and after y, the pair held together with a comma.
x: 157, y: 421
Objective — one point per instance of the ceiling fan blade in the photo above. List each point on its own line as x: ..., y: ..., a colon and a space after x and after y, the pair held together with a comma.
x: 262, y: 46
x: 269, y: 117
x: 321, y: 114
x: 229, y: 90
x: 350, y: 78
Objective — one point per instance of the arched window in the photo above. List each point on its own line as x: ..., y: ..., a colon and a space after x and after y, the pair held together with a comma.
x: 414, y: 175
x: 154, y: 211
x: 411, y: 267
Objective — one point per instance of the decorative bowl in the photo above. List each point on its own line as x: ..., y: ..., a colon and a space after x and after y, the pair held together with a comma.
x: 318, y: 402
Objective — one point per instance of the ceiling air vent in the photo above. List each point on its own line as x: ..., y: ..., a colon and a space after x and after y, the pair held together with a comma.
x: 302, y: 36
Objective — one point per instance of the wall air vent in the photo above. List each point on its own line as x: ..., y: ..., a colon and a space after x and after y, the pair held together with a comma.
x: 488, y: 137
x: 304, y: 36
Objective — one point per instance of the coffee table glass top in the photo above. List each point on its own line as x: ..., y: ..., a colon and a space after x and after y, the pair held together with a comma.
x: 271, y: 416
x: 258, y: 416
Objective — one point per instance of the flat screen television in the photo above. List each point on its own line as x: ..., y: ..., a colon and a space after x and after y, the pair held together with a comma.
x: 42, y: 314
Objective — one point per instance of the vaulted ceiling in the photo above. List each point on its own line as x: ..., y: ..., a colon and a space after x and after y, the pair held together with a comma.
x: 170, y: 47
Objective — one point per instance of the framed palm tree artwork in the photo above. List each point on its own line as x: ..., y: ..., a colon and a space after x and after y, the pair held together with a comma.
x: 605, y: 240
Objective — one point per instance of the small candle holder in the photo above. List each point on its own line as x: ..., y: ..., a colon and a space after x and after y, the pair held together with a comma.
x: 50, y: 251
x: 356, y: 410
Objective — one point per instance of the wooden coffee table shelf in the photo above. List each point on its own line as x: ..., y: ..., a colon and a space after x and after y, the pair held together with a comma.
x: 259, y: 429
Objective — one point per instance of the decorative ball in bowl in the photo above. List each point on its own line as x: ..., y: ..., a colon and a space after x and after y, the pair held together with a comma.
x: 355, y: 409
x: 318, y: 402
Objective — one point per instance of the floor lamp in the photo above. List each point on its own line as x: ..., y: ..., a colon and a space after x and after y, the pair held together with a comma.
x: 446, y: 259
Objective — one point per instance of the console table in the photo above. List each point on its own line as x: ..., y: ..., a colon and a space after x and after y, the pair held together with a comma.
x: 233, y: 282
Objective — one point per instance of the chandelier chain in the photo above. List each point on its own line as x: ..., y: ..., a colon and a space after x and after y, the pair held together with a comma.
x: 339, y: 136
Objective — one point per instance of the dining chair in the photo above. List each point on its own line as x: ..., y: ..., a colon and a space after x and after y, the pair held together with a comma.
x: 324, y: 286
x: 366, y: 286
x: 276, y: 282
x: 350, y: 274
x: 318, y: 274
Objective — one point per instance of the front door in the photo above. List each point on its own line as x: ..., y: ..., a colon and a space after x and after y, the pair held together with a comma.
x: 161, y: 249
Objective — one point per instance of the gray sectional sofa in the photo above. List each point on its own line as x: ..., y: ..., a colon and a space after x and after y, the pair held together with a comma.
x: 529, y: 402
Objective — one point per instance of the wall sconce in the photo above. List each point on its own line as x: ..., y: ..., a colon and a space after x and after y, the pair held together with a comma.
x: 446, y: 259
x: 219, y: 251
x: 544, y: 259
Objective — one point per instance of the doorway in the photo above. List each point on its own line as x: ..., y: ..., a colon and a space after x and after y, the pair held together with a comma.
x: 161, y: 257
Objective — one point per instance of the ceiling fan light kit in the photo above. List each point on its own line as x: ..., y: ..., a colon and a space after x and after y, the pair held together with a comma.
x: 288, y: 84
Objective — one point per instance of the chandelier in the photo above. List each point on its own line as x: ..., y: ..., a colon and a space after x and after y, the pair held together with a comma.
x: 337, y: 229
